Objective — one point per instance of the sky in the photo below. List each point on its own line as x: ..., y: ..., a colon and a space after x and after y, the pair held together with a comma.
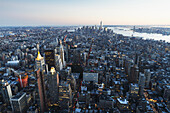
x: 84, y: 12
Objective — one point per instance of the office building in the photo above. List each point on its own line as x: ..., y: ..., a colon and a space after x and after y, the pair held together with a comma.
x: 58, y: 65
x: 19, y: 103
x: 101, y: 25
x: 50, y: 58
x: 23, y: 80
x: 88, y: 77
x: 13, y: 64
x: 134, y: 90
x: 65, y: 95
x: 123, y: 104
x: 53, y: 86
x: 167, y: 92
x: 134, y: 72
x: 148, y: 77
x: 41, y: 89
x: 62, y: 54
x: 141, y: 83
x: 6, y: 92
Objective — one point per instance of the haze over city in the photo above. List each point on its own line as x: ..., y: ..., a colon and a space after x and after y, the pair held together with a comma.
x: 87, y: 12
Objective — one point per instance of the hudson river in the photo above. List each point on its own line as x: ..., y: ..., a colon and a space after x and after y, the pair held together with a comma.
x: 126, y: 31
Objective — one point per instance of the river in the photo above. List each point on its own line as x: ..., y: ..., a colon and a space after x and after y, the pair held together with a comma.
x: 126, y: 31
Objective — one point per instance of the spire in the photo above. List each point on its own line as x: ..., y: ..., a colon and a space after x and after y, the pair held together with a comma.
x: 52, y: 70
x: 39, y: 57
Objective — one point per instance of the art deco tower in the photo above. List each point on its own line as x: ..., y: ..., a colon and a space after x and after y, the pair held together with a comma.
x: 40, y: 81
x: 39, y: 61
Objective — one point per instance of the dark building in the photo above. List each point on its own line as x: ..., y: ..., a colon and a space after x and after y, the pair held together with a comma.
x: 50, y: 58
x: 134, y: 72
x: 53, y: 86
x: 122, y: 104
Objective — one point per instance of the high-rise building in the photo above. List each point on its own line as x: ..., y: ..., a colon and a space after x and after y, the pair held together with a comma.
x: 67, y: 52
x: 53, y: 86
x: 23, y: 80
x: 65, y: 95
x: 62, y: 54
x: 101, y: 25
x: 6, y: 92
x: 90, y: 77
x: 50, y: 58
x: 39, y: 61
x: 41, y: 89
x: 133, y: 75
x: 166, y: 93
x: 105, y: 29
x: 148, y: 77
x: 57, y: 41
x: 59, y: 65
x: 141, y: 83
x: 19, y: 103
x: 123, y: 104
x: 134, y: 90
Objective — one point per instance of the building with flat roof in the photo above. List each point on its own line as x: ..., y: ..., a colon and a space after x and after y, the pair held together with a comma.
x: 122, y: 104
x: 19, y: 103
x: 90, y: 77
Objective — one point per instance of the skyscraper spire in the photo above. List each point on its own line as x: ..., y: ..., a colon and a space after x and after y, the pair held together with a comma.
x: 39, y: 61
x: 52, y: 70
x: 39, y: 57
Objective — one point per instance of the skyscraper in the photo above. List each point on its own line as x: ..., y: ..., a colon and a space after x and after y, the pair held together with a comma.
x: 134, y: 90
x: 141, y: 83
x: 39, y: 61
x: 56, y: 41
x: 133, y: 73
x: 65, y: 95
x: 41, y: 89
x: 53, y: 86
x: 101, y: 25
x: 40, y: 81
x: 19, y: 103
x: 62, y: 54
x: 59, y: 65
x: 23, y: 80
x: 5, y: 89
x: 148, y: 77
x: 50, y: 58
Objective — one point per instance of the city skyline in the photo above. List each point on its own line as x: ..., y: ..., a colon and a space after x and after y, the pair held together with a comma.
x: 89, y: 12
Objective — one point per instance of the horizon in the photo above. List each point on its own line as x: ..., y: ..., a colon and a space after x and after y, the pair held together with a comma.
x: 78, y: 25
x: 89, y: 12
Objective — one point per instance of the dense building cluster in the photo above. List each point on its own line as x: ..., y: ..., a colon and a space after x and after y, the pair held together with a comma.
x: 82, y: 70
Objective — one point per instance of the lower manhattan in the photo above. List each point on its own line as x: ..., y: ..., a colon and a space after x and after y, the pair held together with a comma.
x: 84, y: 56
